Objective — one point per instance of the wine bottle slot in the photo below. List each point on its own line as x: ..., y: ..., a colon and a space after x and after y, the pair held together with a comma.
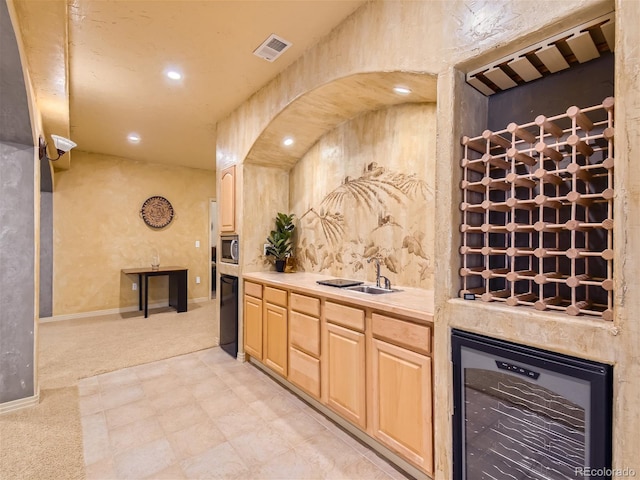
x: 575, y: 308
x: 519, y: 181
x: 545, y: 201
x: 580, y: 199
x: 547, y: 177
x: 496, y: 139
x: 513, y: 276
x: 495, y: 206
x: 467, y: 207
x: 541, y: 226
x: 554, y: 155
x: 475, y: 165
x: 465, y: 271
x: 524, y: 297
x: 549, y: 126
x: 495, y: 183
x: 579, y: 145
x: 465, y: 250
x: 580, y: 118
x: 496, y: 272
x: 521, y: 133
x: 545, y: 302
x: 520, y: 204
x: 473, y: 186
x: 518, y: 252
x: 608, y: 104
x: 496, y: 162
x: 488, y: 297
x: 466, y: 228
x: 578, y: 171
x: 475, y: 145
x: 575, y: 280
x: 521, y: 157
x: 543, y: 278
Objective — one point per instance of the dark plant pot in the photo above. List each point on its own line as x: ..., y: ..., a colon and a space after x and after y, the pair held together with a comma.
x: 280, y: 265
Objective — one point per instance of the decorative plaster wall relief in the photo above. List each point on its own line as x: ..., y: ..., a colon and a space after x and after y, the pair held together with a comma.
x: 374, y: 215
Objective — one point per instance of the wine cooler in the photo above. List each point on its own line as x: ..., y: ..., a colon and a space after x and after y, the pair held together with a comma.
x: 537, y: 213
x: 524, y: 413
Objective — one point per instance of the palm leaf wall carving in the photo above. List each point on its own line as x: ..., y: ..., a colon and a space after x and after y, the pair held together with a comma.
x: 377, y: 191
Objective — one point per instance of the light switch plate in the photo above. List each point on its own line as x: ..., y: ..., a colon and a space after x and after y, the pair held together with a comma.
x: 197, y: 279
x: 197, y: 243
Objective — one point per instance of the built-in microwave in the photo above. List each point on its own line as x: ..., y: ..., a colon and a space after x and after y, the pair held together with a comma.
x: 229, y: 248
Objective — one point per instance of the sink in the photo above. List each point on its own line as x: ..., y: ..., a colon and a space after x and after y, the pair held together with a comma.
x: 371, y: 289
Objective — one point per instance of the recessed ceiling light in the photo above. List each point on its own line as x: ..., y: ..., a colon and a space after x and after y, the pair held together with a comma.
x: 133, y: 138
x: 173, y: 75
x: 402, y: 90
x: 288, y: 141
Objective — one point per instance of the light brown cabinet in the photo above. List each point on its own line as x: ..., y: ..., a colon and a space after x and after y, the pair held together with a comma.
x: 227, y: 199
x: 346, y: 373
x: 253, y: 319
x: 371, y: 368
x: 304, y: 343
x: 275, y: 330
x: 402, y: 404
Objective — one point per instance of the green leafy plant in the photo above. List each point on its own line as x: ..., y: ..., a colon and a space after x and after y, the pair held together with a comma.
x: 280, y: 239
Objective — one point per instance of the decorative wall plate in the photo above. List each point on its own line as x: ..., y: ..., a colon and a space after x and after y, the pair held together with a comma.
x: 157, y: 212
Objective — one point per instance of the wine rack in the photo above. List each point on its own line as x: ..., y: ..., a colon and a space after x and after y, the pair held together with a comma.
x: 537, y: 213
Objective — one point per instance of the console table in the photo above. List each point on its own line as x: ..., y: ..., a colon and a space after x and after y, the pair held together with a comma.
x: 177, y: 286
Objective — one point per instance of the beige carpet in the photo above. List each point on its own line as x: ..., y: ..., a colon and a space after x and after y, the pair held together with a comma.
x: 45, y: 442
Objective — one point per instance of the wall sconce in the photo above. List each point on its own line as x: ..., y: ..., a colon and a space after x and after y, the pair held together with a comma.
x: 63, y: 145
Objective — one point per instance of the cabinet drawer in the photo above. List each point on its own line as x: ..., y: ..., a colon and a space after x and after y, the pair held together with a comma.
x: 411, y: 335
x: 304, y: 333
x: 304, y: 371
x: 275, y: 296
x: 304, y: 304
x: 253, y: 289
x: 346, y: 316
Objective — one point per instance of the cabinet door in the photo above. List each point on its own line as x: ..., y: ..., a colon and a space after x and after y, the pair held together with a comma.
x: 402, y: 411
x: 346, y: 382
x: 275, y: 338
x: 253, y: 326
x: 227, y: 203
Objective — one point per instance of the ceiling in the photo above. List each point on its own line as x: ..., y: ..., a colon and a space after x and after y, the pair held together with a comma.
x: 98, y: 68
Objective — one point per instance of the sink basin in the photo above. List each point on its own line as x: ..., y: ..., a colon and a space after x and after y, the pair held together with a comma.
x: 371, y: 289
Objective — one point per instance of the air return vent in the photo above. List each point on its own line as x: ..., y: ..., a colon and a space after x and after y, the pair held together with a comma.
x: 578, y: 45
x: 272, y: 48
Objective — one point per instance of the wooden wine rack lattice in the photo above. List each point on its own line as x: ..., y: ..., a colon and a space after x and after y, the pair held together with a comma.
x: 537, y: 213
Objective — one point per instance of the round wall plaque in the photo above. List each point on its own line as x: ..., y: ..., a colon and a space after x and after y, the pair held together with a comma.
x: 157, y: 212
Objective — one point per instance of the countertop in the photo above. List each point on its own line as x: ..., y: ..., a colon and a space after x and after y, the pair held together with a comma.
x: 413, y: 302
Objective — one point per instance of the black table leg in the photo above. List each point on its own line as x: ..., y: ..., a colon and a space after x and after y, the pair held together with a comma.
x: 146, y: 296
x: 139, y: 291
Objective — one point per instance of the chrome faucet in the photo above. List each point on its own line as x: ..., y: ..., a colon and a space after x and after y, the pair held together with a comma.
x: 387, y: 282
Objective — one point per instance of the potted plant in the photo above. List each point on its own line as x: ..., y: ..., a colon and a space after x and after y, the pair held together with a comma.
x: 280, y: 241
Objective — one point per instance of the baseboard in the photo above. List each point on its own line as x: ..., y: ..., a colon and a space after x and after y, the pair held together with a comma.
x: 20, y: 404
x: 111, y: 311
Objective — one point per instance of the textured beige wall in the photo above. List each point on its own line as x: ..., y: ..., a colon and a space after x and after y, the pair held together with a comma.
x: 98, y: 230
x: 365, y: 190
x: 445, y: 38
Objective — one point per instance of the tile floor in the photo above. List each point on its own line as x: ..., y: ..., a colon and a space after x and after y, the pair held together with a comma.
x: 206, y: 415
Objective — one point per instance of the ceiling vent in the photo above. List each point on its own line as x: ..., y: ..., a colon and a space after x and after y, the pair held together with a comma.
x: 578, y: 45
x: 272, y: 48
